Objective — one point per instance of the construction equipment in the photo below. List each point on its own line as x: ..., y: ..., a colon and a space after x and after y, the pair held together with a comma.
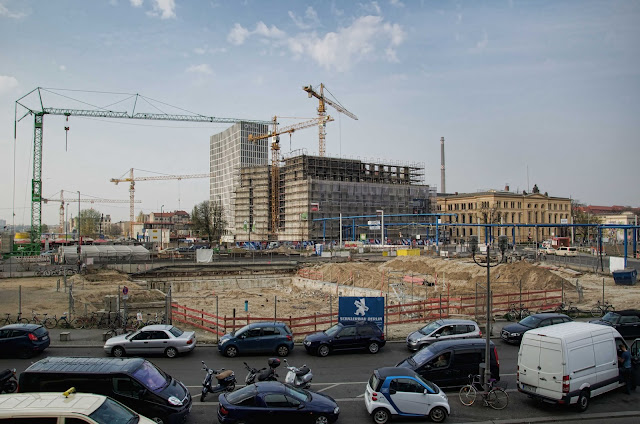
x: 322, y: 100
x: 275, y: 157
x: 33, y: 248
x: 74, y: 200
x: 132, y: 183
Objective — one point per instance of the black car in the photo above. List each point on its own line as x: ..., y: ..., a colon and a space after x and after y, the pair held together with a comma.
x: 512, y: 333
x: 627, y: 322
x: 348, y: 335
x: 272, y: 401
x: 23, y: 340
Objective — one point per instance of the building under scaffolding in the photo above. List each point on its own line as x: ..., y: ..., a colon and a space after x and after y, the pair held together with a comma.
x: 313, y: 187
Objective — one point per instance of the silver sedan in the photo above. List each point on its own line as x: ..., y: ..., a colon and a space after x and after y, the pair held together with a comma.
x: 152, y: 339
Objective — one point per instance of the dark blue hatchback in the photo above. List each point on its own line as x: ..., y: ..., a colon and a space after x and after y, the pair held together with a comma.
x: 23, y: 340
x: 272, y: 401
x: 258, y: 337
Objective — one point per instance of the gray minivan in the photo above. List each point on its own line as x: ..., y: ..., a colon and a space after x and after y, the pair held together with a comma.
x: 135, y: 382
x: 443, y: 329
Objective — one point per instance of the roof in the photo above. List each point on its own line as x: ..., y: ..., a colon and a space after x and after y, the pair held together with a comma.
x: 263, y: 323
x: 627, y: 312
x: 34, y: 403
x: 446, y: 344
x: 394, y: 371
x: 445, y: 321
x: 157, y: 327
x: 269, y: 386
x: 27, y: 327
x: 544, y: 315
x: 572, y: 329
x: 80, y: 365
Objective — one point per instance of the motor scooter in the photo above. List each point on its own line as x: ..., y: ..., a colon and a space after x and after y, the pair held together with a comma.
x: 262, y: 374
x: 8, y: 381
x: 226, y: 381
x: 298, y: 377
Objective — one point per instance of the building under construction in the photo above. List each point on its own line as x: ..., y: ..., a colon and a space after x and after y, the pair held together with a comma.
x: 313, y: 187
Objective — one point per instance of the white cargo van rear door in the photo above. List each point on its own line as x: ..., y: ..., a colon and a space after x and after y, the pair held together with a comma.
x: 551, y: 368
x: 529, y: 362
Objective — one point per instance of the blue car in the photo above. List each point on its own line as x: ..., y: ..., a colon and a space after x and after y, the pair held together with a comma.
x: 272, y: 401
x: 23, y: 340
x: 258, y: 337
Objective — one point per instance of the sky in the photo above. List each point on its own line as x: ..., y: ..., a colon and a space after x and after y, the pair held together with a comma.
x: 524, y: 92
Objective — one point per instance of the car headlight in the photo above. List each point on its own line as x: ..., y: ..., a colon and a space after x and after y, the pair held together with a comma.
x: 174, y: 401
x: 515, y: 334
x: 306, y: 342
x: 223, y: 341
x: 336, y: 410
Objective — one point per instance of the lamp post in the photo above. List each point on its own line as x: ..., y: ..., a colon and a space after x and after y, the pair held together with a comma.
x: 381, y: 213
x: 502, y: 244
x: 161, y: 225
x: 79, y: 238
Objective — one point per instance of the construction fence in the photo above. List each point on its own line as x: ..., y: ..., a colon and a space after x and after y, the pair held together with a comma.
x: 402, y: 313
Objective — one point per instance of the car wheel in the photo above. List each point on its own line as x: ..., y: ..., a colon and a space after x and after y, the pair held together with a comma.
x: 231, y: 352
x: 171, y: 352
x: 381, y: 416
x: 323, y: 350
x: 373, y: 347
x: 282, y: 350
x: 321, y: 419
x: 583, y: 401
x: 118, y: 351
x: 438, y: 414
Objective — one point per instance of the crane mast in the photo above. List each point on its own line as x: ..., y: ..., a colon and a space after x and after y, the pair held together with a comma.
x: 39, y: 112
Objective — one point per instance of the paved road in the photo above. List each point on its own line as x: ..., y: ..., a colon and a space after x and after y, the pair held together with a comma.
x: 343, y: 376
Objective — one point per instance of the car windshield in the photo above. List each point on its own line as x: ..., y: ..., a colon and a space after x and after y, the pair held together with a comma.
x: 428, y: 384
x: 240, y: 331
x: 333, y: 330
x: 429, y: 328
x: 150, y: 376
x: 301, y: 395
x: 423, y: 355
x: 611, y: 317
x: 530, y: 321
x: 241, y: 395
x: 176, y: 331
x: 113, y: 412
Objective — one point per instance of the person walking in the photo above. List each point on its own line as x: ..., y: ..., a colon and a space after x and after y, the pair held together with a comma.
x: 625, y: 368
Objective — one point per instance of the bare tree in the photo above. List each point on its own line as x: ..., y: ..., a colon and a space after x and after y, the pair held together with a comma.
x: 208, y: 221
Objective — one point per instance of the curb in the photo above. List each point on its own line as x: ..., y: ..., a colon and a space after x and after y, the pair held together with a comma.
x: 569, y: 418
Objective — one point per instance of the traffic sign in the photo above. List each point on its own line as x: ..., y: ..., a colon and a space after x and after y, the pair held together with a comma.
x: 125, y: 290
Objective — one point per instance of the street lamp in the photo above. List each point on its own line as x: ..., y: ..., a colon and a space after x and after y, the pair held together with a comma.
x: 381, y: 213
x: 502, y: 244
x: 161, y: 225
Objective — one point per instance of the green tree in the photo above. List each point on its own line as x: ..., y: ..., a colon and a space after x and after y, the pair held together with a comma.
x: 114, y: 230
x: 44, y: 228
x: 207, y: 220
x: 580, y: 216
x: 89, y: 222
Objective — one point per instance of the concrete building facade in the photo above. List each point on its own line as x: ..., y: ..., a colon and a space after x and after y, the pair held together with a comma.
x: 230, y: 151
x: 505, y: 207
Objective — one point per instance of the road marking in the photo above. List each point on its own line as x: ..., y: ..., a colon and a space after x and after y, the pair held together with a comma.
x: 328, y: 387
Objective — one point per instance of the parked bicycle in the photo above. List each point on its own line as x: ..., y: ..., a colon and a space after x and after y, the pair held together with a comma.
x: 46, y: 322
x: 63, y: 321
x: 516, y: 313
x: 495, y: 397
x: 602, y: 308
x: 571, y: 310
x: 19, y: 319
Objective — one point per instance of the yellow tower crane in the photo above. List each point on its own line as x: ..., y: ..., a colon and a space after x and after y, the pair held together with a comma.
x: 132, y: 183
x: 322, y: 111
x: 275, y: 157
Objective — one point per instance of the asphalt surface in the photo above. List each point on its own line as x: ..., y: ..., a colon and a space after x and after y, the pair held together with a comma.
x: 343, y: 377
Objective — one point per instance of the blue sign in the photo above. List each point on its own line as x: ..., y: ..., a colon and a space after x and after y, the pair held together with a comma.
x: 356, y: 308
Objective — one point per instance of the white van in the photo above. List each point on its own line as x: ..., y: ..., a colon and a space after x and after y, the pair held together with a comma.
x: 569, y: 363
x: 65, y: 407
x: 567, y: 251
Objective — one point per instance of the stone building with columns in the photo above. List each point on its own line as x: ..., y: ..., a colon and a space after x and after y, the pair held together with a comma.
x: 505, y: 207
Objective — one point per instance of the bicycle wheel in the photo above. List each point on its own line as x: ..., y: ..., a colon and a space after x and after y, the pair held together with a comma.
x: 596, y: 311
x: 467, y: 395
x: 50, y: 323
x: 524, y: 313
x: 497, y: 398
x: 573, y: 312
x: 511, y: 315
x: 609, y: 308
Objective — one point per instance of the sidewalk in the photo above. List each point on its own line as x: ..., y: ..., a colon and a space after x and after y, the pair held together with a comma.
x: 94, y: 337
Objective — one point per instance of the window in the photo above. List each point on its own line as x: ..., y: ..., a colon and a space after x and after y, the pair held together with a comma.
x: 252, y: 332
x: 348, y: 332
x: 270, y: 331
x: 127, y: 387
x: 629, y: 319
x: 462, y: 329
x: 276, y: 401
x: 406, y: 385
x: 159, y: 335
x: 365, y: 331
x: 468, y: 358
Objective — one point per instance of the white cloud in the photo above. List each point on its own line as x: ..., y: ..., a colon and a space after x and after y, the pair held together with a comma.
x: 311, y: 16
x: 7, y: 84
x: 200, y: 69
x: 136, y: 3
x: 9, y: 14
x: 200, y: 50
x: 164, y: 8
x: 238, y: 34
x: 396, y: 3
x: 368, y: 37
x: 371, y: 7
x: 62, y: 68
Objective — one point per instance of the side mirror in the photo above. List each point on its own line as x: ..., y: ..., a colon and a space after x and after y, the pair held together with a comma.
x: 425, y: 392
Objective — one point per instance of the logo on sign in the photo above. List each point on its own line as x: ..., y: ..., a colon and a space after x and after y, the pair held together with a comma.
x: 362, y: 307
x: 352, y: 308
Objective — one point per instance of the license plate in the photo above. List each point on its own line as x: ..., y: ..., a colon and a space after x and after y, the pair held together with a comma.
x: 45, y: 338
x: 528, y: 388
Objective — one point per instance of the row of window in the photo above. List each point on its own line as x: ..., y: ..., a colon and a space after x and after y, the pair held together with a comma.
x: 504, y: 205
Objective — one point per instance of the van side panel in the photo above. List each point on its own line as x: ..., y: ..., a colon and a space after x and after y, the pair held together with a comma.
x: 551, y: 368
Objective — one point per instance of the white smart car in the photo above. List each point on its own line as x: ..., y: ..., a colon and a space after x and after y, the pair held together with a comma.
x: 402, y: 392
